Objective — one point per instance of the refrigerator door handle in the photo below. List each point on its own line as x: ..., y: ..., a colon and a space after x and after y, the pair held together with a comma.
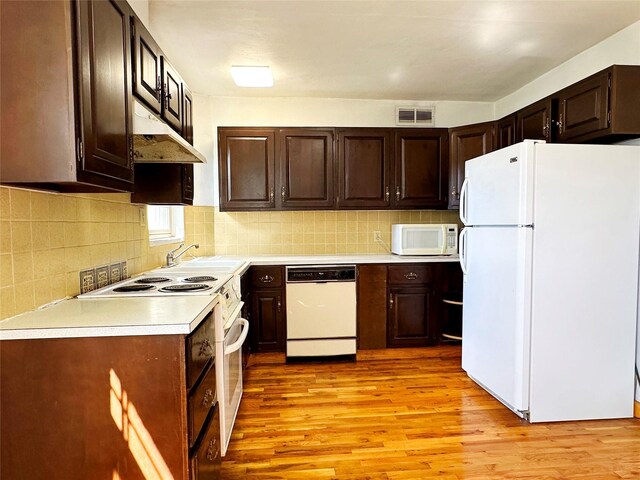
x: 463, y: 250
x: 463, y: 201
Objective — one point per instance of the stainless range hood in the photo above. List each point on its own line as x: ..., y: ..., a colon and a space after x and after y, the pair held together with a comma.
x: 155, y: 142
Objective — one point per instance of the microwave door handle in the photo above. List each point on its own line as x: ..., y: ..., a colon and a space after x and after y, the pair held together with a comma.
x: 238, y: 343
x: 463, y: 201
x: 463, y: 250
x: 443, y: 250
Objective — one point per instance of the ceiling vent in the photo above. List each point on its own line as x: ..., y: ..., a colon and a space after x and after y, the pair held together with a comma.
x: 415, y: 116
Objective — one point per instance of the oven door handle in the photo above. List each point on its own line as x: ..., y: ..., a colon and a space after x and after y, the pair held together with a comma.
x: 237, y: 345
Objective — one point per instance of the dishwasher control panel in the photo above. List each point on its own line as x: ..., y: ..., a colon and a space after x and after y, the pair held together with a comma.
x: 321, y: 273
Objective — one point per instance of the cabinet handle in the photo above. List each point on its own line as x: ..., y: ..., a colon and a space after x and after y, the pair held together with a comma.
x: 271, y: 195
x: 397, y: 194
x: 131, y: 148
x: 386, y: 193
x: 279, y: 305
x: 455, y: 194
x: 391, y: 301
x: 283, y: 193
x: 159, y: 88
x: 166, y: 97
x: 560, y: 124
x: 546, y: 130
x: 212, y: 450
x: 266, y: 279
x: 411, y: 275
x: 207, y: 400
x: 205, y: 348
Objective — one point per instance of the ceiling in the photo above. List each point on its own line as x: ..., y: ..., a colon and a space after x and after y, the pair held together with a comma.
x: 404, y: 50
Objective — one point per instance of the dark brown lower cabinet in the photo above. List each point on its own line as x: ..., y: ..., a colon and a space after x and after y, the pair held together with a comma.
x: 410, y: 322
x: 267, y: 326
x: 110, y: 407
x: 372, y: 306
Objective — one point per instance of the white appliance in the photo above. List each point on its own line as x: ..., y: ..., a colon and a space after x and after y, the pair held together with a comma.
x: 231, y: 332
x: 550, y: 260
x: 424, y: 239
x: 321, y: 310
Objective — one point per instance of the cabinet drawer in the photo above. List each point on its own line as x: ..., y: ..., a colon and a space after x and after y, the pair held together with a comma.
x: 266, y: 277
x: 410, y: 274
x: 200, y: 349
x: 206, y: 461
x: 201, y: 400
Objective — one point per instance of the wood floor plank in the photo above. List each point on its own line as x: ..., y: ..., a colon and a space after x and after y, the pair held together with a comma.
x: 407, y: 414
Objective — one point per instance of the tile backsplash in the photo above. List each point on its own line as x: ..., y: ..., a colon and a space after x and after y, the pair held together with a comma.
x: 46, y: 239
x: 313, y: 232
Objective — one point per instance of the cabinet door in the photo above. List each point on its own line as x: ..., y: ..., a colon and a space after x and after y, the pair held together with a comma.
x: 409, y: 321
x: 505, y: 132
x: 147, y: 80
x: 163, y: 184
x: 172, y: 107
x: 105, y: 105
x: 583, y: 107
x: 421, y: 168
x: 246, y: 169
x: 187, y: 117
x: 466, y: 143
x: 364, y: 161
x: 305, y: 160
x: 267, y: 321
x: 371, y: 306
x: 187, y: 183
x: 534, y: 122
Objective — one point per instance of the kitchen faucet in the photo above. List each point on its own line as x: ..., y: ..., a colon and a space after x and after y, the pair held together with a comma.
x: 171, y: 258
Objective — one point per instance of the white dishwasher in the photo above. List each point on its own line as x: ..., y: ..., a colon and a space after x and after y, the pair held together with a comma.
x: 321, y: 310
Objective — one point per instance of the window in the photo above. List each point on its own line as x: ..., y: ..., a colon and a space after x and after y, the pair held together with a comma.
x: 166, y: 224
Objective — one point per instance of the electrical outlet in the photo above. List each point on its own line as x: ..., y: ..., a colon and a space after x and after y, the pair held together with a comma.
x: 143, y: 216
x: 376, y: 236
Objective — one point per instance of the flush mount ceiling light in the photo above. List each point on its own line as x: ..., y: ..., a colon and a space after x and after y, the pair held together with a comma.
x: 252, y: 76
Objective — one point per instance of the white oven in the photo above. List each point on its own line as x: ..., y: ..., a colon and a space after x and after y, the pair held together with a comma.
x: 230, y: 336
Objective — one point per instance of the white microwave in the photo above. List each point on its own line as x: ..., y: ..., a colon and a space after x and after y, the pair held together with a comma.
x: 424, y: 239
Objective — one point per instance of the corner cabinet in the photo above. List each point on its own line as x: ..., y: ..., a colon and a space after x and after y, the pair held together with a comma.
x: 466, y: 143
x: 67, y: 102
x: 504, y: 132
x: 534, y: 122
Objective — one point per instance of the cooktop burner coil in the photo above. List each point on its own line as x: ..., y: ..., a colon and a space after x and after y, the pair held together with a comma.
x: 200, y: 278
x: 153, y: 280
x: 133, y: 288
x: 192, y: 287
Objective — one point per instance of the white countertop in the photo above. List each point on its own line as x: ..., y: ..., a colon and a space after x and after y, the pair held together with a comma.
x: 163, y: 315
x: 110, y: 317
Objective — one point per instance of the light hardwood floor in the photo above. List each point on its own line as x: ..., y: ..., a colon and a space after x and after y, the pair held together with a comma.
x: 407, y: 413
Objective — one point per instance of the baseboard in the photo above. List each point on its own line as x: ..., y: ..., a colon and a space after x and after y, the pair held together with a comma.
x: 636, y: 409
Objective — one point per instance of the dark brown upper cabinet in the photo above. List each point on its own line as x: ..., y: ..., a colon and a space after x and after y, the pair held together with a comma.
x: 305, y: 162
x: 466, y: 143
x: 172, y: 104
x: 505, y: 132
x: 147, y: 72
x: 66, y: 101
x: 163, y: 184
x: 187, y: 117
x: 421, y: 168
x: 246, y: 159
x: 534, y: 121
x: 603, y: 106
x: 364, y: 168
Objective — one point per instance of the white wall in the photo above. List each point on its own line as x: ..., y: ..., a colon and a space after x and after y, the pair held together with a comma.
x: 141, y: 7
x: 301, y: 112
x: 622, y: 48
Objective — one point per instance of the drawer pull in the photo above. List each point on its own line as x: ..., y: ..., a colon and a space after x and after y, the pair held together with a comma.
x: 212, y: 450
x: 206, y: 349
x: 208, y: 399
x: 411, y: 276
x: 266, y: 279
x: 391, y: 301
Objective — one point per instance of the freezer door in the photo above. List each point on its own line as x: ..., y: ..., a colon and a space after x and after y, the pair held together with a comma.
x: 498, y: 187
x: 496, y: 311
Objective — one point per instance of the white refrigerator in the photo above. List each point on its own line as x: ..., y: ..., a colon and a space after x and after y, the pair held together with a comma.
x: 550, y: 259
